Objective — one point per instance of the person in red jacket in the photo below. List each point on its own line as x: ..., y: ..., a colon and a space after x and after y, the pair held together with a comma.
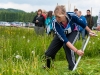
x: 44, y: 14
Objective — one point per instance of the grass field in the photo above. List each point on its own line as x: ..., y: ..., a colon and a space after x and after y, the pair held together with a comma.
x: 21, y: 52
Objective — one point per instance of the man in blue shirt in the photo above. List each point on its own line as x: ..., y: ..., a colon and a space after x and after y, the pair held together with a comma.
x: 79, y: 14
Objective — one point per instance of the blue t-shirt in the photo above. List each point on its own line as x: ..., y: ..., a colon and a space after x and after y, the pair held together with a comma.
x: 84, y: 20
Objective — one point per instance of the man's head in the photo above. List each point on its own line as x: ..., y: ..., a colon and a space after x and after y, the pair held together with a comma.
x: 75, y: 10
x: 79, y: 13
x: 88, y: 12
x: 60, y: 13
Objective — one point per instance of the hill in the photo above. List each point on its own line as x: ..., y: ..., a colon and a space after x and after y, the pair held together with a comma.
x: 10, y: 10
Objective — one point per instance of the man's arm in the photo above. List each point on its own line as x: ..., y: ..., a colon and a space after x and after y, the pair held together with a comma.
x: 82, y: 24
x: 78, y: 21
x: 34, y: 20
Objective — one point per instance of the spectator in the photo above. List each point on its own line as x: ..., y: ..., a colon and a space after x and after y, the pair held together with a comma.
x: 48, y: 22
x: 98, y: 22
x: 75, y: 11
x: 44, y: 14
x: 89, y: 19
x: 39, y: 21
x: 79, y: 14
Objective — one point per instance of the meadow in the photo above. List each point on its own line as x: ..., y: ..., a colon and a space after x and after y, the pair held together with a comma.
x: 22, y: 51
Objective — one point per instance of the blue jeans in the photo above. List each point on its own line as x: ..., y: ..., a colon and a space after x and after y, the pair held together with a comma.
x: 83, y: 34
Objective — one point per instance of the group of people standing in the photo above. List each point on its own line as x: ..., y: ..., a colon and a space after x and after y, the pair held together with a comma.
x: 43, y: 22
x: 88, y: 19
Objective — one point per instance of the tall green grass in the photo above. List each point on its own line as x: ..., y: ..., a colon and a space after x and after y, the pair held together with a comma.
x: 21, y: 52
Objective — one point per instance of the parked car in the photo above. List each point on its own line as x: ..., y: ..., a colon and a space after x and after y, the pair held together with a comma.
x: 7, y: 24
x: 23, y: 24
x: 15, y: 24
x: 29, y: 24
x: 2, y: 23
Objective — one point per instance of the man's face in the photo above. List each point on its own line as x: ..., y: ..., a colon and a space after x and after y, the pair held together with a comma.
x: 75, y: 12
x: 88, y: 12
x: 78, y: 14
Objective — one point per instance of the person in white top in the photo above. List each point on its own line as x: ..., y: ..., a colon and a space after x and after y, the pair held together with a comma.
x: 98, y: 22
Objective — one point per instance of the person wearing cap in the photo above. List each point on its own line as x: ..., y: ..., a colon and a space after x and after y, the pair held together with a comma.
x: 65, y: 35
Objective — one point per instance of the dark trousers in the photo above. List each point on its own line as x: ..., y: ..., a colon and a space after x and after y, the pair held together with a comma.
x: 55, y: 46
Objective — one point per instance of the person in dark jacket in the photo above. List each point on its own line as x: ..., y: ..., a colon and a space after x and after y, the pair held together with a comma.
x: 89, y: 19
x: 39, y: 21
x: 65, y: 35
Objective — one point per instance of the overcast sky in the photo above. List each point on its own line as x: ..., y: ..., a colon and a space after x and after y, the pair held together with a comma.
x: 33, y: 5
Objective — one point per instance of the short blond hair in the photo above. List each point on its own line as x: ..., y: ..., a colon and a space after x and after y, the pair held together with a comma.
x: 80, y: 12
x: 60, y: 8
x: 44, y: 11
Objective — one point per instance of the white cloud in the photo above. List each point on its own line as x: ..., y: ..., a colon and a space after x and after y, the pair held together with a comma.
x: 25, y: 7
x: 82, y: 5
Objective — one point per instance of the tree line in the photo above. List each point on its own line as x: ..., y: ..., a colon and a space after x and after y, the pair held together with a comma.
x: 17, y: 16
x: 23, y: 16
